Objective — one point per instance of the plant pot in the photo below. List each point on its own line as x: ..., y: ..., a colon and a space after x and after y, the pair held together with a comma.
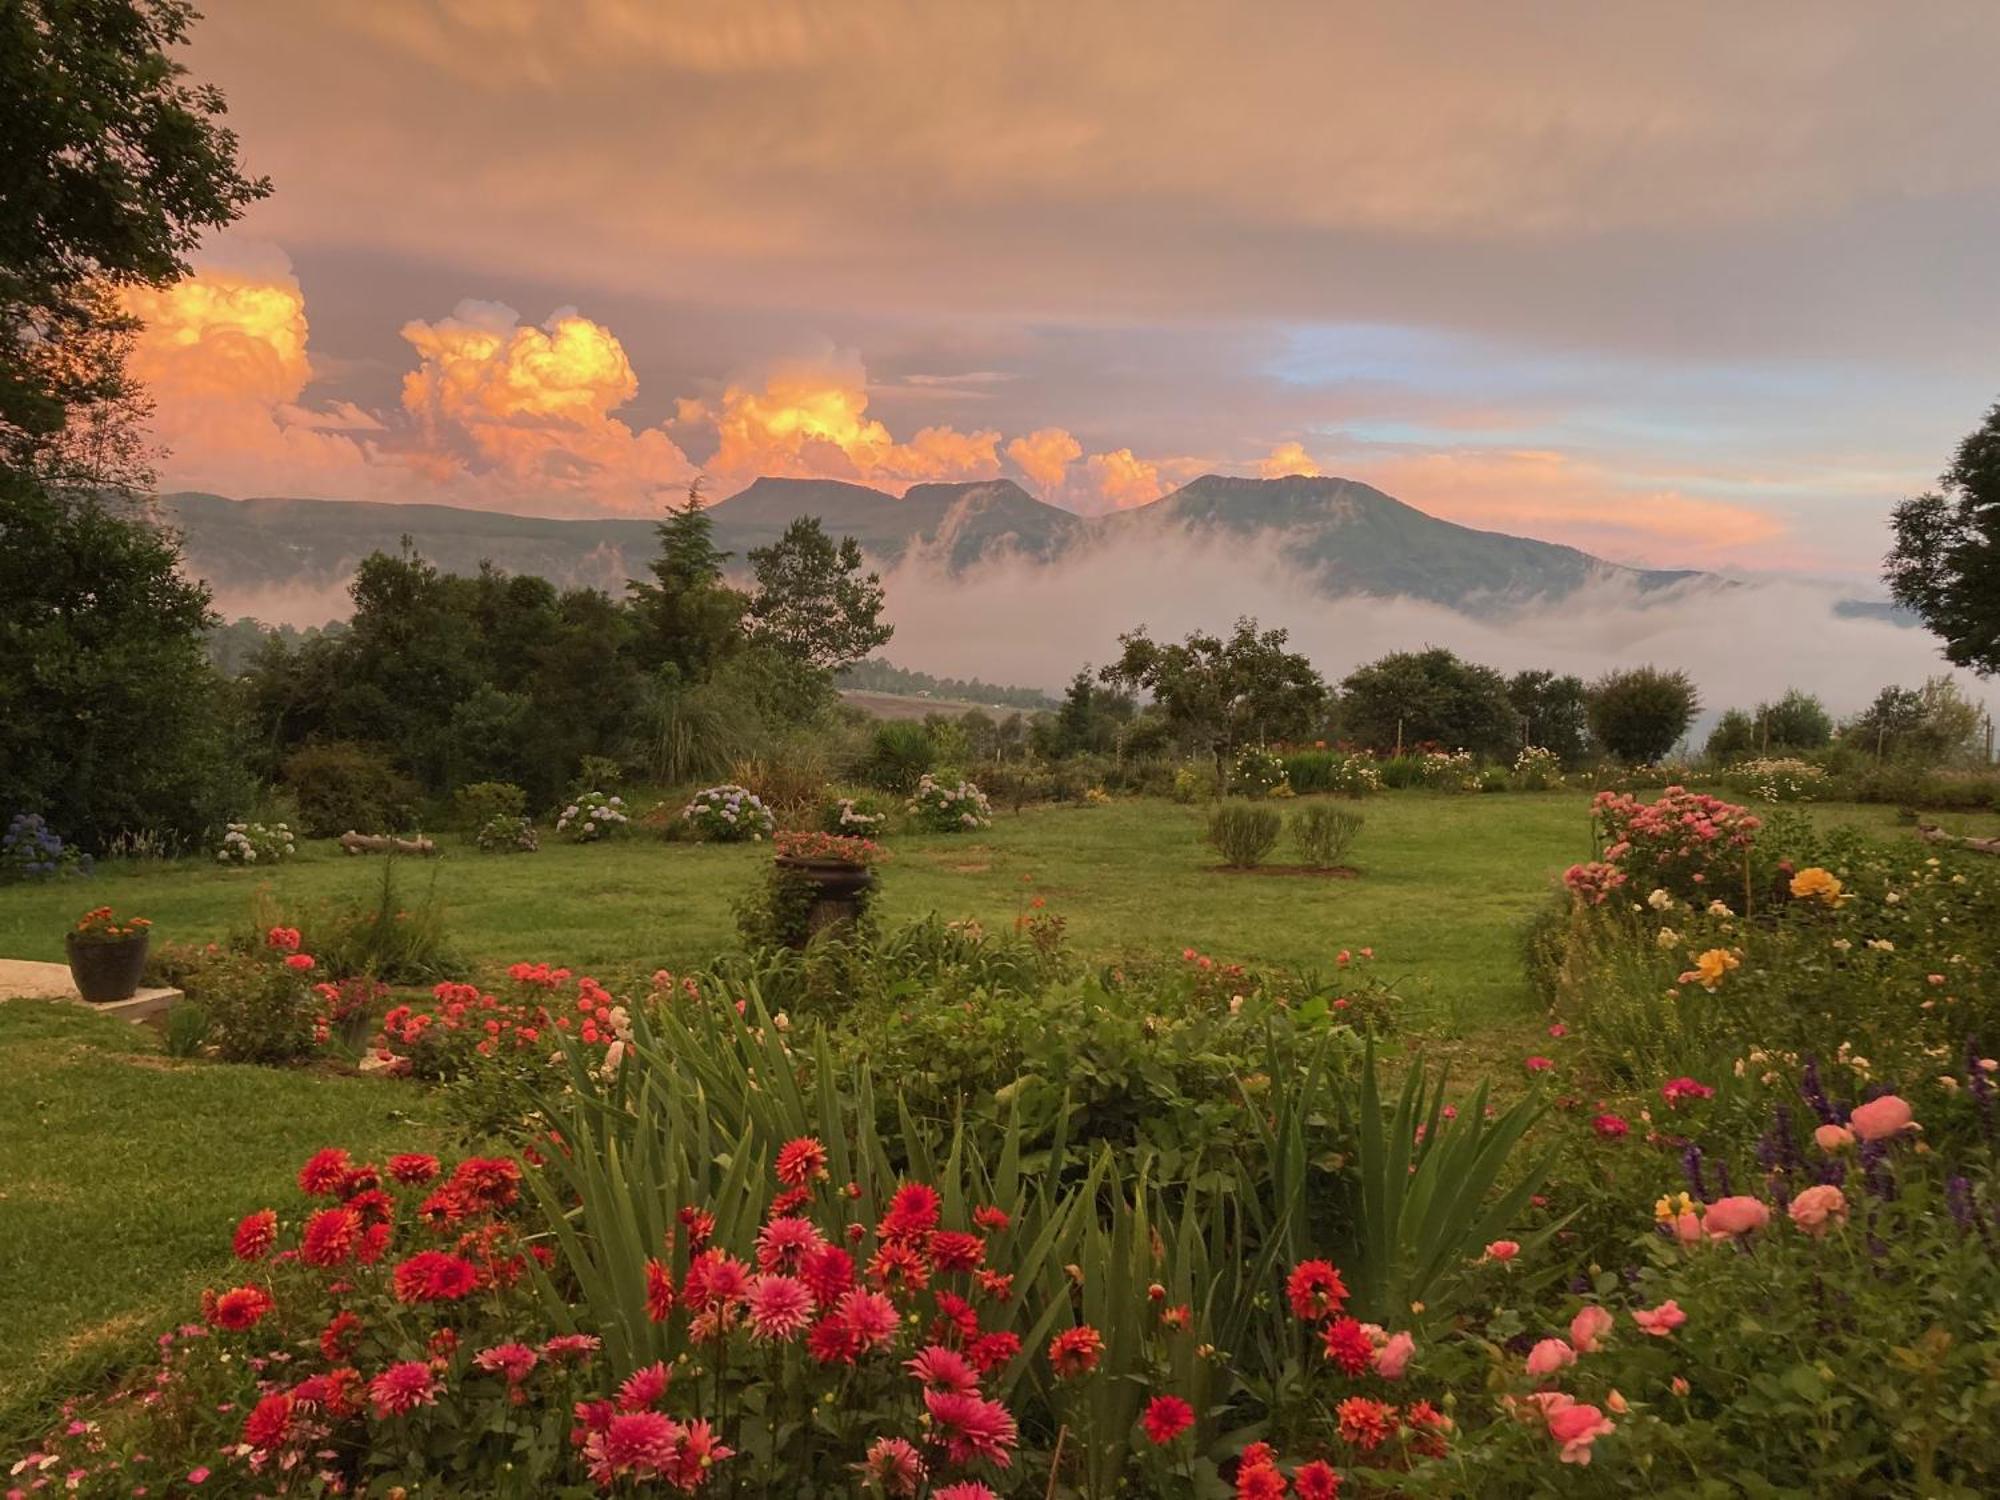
x: 353, y: 1031
x: 107, y: 972
x: 839, y: 893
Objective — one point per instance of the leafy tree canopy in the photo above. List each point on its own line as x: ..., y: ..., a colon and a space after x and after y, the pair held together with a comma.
x: 1639, y: 715
x: 1433, y: 697
x: 814, y: 602
x: 1945, y: 564
x: 1221, y: 693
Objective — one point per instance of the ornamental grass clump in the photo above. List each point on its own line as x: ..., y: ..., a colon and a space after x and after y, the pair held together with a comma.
x: 1325, y: 834
x: 1242, y: 835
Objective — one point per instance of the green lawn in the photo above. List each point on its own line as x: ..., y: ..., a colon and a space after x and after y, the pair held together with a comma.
x: 121, y: 1171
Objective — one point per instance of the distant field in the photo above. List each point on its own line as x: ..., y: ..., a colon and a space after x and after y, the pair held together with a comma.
x: 904, y: 706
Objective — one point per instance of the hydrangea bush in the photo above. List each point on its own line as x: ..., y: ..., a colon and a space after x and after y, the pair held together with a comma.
x: 31, y: 850
x: 949, y: 807
x: 728, y: 814
x: 256, y: 844
x: 593, y: 817
x: 507, y: 833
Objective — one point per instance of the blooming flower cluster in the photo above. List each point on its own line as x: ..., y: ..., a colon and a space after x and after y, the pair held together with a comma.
x: 829, y: 848
x: 31, y: 850
x: 592, y: 817
x: 939, y: 808
x: 465, y: 1024
x: 256, y: 844
x: 728, y: 814
x: 1682, y: 843
x: 103, y: 925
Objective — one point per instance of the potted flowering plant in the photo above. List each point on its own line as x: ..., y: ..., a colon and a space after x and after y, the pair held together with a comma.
x: 832, y: 875
x: 107, y: 954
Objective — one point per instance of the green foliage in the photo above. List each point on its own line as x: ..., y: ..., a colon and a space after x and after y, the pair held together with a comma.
x: 186, y: 1029
x: 1089, y: 722
x: 1797, y: 721
x: 505, y: 833
x: 255, y: 1009
x: 111, y: 720
x: 813, y: 601
x: 387, y: 936
x: 688, y: 621
x: 1324, y: 834
x: 348, y: 787
x: 1219, y: 693
x: 1927, y: 726
x: 1945, y: 564
x: 690, y: 733
x: 1554, y: 713
x: 1640, y: 714
x: 1243, y: 836
x: 1733, y: 738
x: 597, y: 773
x: 1418, y: 698
x: 900, y: 753
x: 482, y: 802
x: 1196, y: 781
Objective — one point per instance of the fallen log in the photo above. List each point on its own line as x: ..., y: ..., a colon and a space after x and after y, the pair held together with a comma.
x: 382, y: 843
x: 1930, y: 833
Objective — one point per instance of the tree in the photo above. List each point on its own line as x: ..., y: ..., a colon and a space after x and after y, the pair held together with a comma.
x: 1922, y: 726
x: 1945, y: 564
x: 1220, y: 694
x: 1553, y: 713
x: 1797, y: 721
x: 813, y: 601
x: 1639, y: 715
x: 1088, y: 722
x: 1429, y: 697
x: 1733, y: 738
x: 689, y: 619
x: 111, y: 719
x: 114, y: 167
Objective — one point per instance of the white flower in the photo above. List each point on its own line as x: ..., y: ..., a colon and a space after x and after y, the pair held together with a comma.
x: 1661, y: 900
x: 1719, y: 909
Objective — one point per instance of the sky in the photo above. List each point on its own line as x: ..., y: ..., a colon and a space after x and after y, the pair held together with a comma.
x: 1707, y: 286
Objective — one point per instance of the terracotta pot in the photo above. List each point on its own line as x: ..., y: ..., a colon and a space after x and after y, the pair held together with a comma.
x: 107, y: 972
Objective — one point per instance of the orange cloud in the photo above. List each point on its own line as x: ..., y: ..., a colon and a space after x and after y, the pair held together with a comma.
x: 1287, y: 459
x: 1120, y: 479
x: 1548, y: 494
x: 1045, y: 456
x: 813, y: 422
x: 496, y: 400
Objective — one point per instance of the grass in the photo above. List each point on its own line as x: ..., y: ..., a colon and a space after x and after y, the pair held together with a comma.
x: 122, y: 1172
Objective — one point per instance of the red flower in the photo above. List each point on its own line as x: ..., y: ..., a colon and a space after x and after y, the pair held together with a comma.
x: 940, y: 1369
x: 435, y: 1276
x: 832, y: 1342
x: 1075, y: 1351
x: 403, y: 1388
x: 1259, y: 1482
x: 783, y: 1244
x: 781, y: 1307
x: 301, y: 962
x: 715, y: 1278
x: 971, y: 1427
x: 269, y: 1422
x: 913, y: 1213
x: 829, y: 1271
x: 899, y: 1266
x: 790, y: 1201
x: 1315, y: 1290
x: 284, y: 939
x: 1317, y: 1481
x: 413, y: 1168
x: 991, y: 1219
x: 895, y: 1465
x: 871, y: 1316
x: 334, y: 1339
x: 1539, y: 1064
x: 955, y: 1250
x: 1166, y: 1418
x: 489, y: 1182
x: 1348, y: 1346
x: 801, y: 1161
x: 322, y: 1176
x: 1610, y: 1127
x: 240, y: 1308
x: 695, y: 1452
x: 330, y: 1236
x: 1674, y: 1090
x: 515, y: 1361
x: 1364, y: 1422
x: 991, y: 1350
x: 659, y: 1291
x: 644, y: 1388
x: 255, y: 1235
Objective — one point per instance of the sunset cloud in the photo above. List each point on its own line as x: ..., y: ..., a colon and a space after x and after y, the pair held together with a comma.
x: 1045, y: 456
x: 1288, y: 459
x: 811, y: 421
x: 1121, y: 479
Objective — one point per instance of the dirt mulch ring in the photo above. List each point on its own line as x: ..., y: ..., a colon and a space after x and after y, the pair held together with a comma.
x: 1310, y: 872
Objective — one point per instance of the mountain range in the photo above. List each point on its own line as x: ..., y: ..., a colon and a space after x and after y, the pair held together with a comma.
x: 1348, y: 536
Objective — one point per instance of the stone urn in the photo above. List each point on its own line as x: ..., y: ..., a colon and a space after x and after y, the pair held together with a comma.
x: 837, y: 891
x: 107, y: 969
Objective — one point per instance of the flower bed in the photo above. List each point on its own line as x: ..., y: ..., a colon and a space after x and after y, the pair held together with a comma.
x: 728, y: 814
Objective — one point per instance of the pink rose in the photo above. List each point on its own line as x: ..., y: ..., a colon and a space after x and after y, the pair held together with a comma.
x: 1588, y: 1329
x: 1832, y: 1138
x: 1879, y: 1119
x: 1729, y: 1217
x: 1503, y: 1250
x: 1549, y: 1356
x: 1687, y: 1227
x: 1576, y: 1427
x: 1814, y: 1208
x: 1393, y: 1358
x: 1660, y: 1321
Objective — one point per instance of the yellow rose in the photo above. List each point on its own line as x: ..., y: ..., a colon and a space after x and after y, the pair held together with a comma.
x: 1815, y: 884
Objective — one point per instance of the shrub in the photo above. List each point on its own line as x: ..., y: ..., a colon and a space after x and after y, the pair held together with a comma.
x: 1447, y: 771
x: 1196, y: 781
x: 506, y: 833
x: 1638, y: 715
x: 954, y: 807
x: 1256, y: 772
x: 1537, y: 769
x: 1243, y: 835
x: 593, y: 817
x: 31, y: 850
x: 256, y: 844
x: 595, y: 773
x: 1325, y: 834
x: 483, y: 801
x: 343, y: 787
x: 1781, y: 779
x: 900, y: 754
x: 854, y: 817
x: 259, y: 1008
x: 1689, y: 844
x: 387, y: 937
x: 727, y: 815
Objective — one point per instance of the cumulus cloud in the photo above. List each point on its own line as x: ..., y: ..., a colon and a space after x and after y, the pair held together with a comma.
x: 811, y: 421
x: 1045, y: 456
x: 1287, y: 459
x: 498, y: 401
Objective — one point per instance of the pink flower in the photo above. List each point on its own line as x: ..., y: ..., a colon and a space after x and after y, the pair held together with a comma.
x: 1730, y: 1217
x: 1393, y: 1358
x: 1558, y: 1031
x: 1879, y: 1119
x: 1549, y: 1356
x: 1832, y: 1138
x: 1610, y: 1127
x: 895, y: 1465
x: 1589, y: 1328
x: 1660, y: 1321
x: 1539, y: 1064
x: 781, y: 1307
x: 1818, y: 1206
x: 402, y: 1388
x: 1503, y: 1250
x: 1576, y: 1427
x: 1674, y: 1090
x: 1687, y: 1227
x: 299, y: 961
x: 198, y: 1476
x: 942, y: 1369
